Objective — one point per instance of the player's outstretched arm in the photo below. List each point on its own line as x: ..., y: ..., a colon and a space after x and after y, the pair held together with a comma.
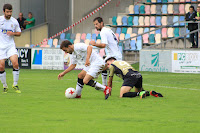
x: 110, y: 82
x: 101, y: 45
x: 10, y: 33
x: 71, y: 67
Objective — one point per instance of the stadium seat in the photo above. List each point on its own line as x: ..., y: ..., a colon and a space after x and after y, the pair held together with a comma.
x: 77, y: 41
x: 129, y: 31
x: 176, y: 32
x: 50, y: 42
x: 142, y: 9
x: 127, y: 42
x: 113, y: 29
x: 73, y: 36
x: 176, y: 8
x: 130, y: 21
x: 119, y: 20
x: 153, y: 9
x: 62, y: 36
x: 98, y: 41
x: 124, y: 21
x: 158, y: 20
x: 71, y: 40
x: 32, y: 45
x: 187, y: 8
x: 193, y: 0
x: 120, y: 48
x: 158, y: 38
x: 121, y: 36
x: 44, y: 43
x: 182, y: 18
x: 146, y: 30
x: 158, y: 31
x: 67, y: 36
x: 83, y: 36
x: 135, y: 21
x: 98, y: 36
x: 139, y: 38
x: 158, y: 9
x: 124, y: 30
x: 164, y: 20
x: 170, y: 19
x: 135, y: 30
x: 170, y: 9
x: 153, y: 1
x: 148, y: 1
x: 132, y: 35
x: 170, y: 32
x: 94, y: 37
x: 152, y: 21
x: 151, y: 38
x: 78, y: 36
x: 27, y: 45
x: 88, y: 36
x: 152, y: 32
x: 159, y: 1
x: 114, y: 20
x: 133, y: 46
x: 131, y: 9
x: 176, y: 19
x: 136, y: 9
x: 141, y: 21
x: 118, y: 31
x: 139, y: 44
x: 164, y: 1
x: 164, y: 32
x: 59, y: 42
x: 147, y: 21
x: 170, y: 0
x: 140, y: 30
x: 145, y: 38
x: 182, y: 9
x: 164, y: 9
x: 55, y: 42
x: 147, y: 9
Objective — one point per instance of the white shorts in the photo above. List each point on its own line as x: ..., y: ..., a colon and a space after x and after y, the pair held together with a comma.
x: 8, y: 52
x: 95, y: 68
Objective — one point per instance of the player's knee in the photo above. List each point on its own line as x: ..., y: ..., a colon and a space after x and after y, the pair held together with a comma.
x: 80, y: 76
x: 15, y: 65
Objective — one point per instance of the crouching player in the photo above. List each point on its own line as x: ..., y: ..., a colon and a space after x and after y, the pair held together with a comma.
x: 131, y: 78
x: 94, y: 65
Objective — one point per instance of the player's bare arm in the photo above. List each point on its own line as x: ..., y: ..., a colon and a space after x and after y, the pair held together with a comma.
x: 89, y: 51
x: 10, y: 33
x: 71, y: 67
x: 101, y: 45
x: 110, y: 82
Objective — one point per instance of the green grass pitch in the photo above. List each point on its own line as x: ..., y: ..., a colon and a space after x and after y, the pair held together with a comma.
x: 43, y: 108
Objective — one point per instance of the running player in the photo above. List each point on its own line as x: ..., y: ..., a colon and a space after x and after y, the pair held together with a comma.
x: 131, y: 78
x: 9, y: 27
x: 108, y: 41
x: 94, y: 64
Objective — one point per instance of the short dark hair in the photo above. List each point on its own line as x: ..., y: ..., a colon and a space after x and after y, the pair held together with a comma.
x: 30, y: 13
x: 99, y: 19
x: 110, y: 58
x: 192, y: 7
x: 7, y: 6
x: 65, y: 44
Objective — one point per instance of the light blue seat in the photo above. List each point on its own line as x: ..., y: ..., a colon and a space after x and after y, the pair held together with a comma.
x: 139, y: 38
x: 127, y: 42
x: 187, y: 31
x: 175, y: 19
x: 133, y: 46
x: 158, y: 31
x: 146, y: 30
x: 88, y: 36
x: 50, y: 42
x: 170, y: 0
x: 136, y: 9
x: 139, y: 44
x: 118, y: 30
x: 124, y: 21
x: 130, y: 21
x: 159, y: 1
x: 135, y: 21
x: 94, y: 37
x: 182, y: 18
x: 158, y: 20
x: 62, y: 36
x: 164, y: 9
x: 121, y: 48
x: 114, y: 20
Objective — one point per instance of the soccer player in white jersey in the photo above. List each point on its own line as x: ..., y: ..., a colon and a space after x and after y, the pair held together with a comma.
x: 9, y: 27
x: 108, y: 41
x: 94, y: 64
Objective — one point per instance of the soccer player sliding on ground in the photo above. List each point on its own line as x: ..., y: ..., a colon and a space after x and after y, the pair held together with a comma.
x: 94, y: 65
x: 131, y: 78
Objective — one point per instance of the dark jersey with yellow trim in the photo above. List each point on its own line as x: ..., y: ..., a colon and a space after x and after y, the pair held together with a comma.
x: 120, y: 68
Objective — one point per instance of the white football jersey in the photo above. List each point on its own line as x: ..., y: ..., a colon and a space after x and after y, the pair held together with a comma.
x: 8, y: 25
x: 108, y: 37
x: 80, y: 54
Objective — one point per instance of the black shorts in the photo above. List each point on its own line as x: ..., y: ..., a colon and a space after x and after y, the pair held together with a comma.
x: 133, y: 78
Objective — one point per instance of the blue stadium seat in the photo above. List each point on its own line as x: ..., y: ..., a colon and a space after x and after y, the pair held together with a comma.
x: 133, y: 46
x: 114, y: 20
x: 164, y: 9
x: 135, y: 21
x: 146, y: 30
x: 118, y: 30
x: 158, y: 20
x: 50, y: 42
x: 139, y: 44
x: 175, y: 19
x: 182, y: 18
x: 159, y: 1
x: 158, y: 31
x: 62, y: 36
x: 136, y: 9
x: 88, y: 36
x: 94, y: 37
x: 124, y: 21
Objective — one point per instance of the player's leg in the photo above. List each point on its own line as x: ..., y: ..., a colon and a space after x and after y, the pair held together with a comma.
x: 104, y: 77
x: 14, y: 60
x: 125, y: 92
x: 3, y: 75
x: 80, y: 84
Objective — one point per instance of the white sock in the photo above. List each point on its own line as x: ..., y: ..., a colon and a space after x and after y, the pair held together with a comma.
x: 79, y: 88
x: 15, y: 77
x: 98, y: 85
x: 3, y: 79
x: 104, y: 78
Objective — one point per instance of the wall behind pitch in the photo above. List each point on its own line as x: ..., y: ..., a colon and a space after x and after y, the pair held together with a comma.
x: 37, y: 7
x: 84, y: 7
x: 14, y: 3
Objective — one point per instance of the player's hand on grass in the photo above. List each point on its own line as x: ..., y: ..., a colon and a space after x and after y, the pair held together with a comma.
x: 60, y: 76
x: 87, y: 63
x: 92, y: 43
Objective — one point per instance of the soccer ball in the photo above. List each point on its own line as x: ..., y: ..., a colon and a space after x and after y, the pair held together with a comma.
x: 70, y: 93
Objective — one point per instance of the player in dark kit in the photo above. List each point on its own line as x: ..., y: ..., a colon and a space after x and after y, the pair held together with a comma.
x: 131, y: 78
